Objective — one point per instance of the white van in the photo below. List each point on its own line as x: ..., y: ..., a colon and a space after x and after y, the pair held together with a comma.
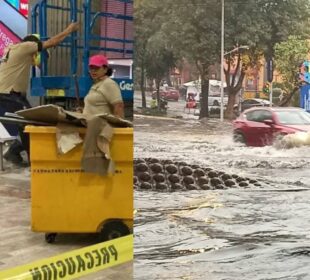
x: 194, y: 87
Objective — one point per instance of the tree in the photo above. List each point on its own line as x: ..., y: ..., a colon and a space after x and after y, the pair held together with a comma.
x: 145, y: 14
x: 193, y: 32
x: 159, y: 60
x: 288, y: 58
x: 260, y: 24
x: 153, y: 56
x: 191, y: 29
x: 195, y: 29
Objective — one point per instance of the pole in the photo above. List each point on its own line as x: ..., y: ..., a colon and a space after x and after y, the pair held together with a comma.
x: 222, y: 64
x: 270, y: 94
x: 270, y: 78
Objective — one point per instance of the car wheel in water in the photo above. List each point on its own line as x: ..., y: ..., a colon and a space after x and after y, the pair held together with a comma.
x: 238, y: 138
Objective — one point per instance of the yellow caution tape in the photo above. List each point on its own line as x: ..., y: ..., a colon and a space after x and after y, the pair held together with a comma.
x: 75, y: 263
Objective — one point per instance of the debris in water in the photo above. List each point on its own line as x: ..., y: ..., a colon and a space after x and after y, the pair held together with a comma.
x: 167, y: 175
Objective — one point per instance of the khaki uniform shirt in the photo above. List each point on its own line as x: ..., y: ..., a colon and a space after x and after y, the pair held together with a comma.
x: 101, y: 97
x: 15, y: 72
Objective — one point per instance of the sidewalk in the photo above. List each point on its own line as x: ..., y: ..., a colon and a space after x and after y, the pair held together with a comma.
x: 19, y: 245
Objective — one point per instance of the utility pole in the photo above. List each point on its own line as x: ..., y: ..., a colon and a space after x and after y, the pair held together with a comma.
x: 222, y: 63
x: 270, y: 78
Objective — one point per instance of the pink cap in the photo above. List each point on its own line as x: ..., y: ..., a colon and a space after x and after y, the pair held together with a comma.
x: 98, y: 60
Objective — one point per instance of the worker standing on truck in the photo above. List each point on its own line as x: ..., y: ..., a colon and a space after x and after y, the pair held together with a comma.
x: 105, y: 95
x: 14, y: 81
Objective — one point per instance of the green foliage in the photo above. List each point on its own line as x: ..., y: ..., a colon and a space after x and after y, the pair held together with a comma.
x: 194, y: 30
x: 152, y: 51
x: 168, y: 31
x: 145, y: 14
x: 159, y: 62
x: 288, y: 57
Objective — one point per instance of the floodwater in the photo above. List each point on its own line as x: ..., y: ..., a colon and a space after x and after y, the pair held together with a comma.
x: 241, y: 233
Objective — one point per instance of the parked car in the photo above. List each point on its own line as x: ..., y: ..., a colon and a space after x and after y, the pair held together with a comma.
x: 254, y: 102
x: 215, y: 100
x: 168, y: 94
x: 262, y: 126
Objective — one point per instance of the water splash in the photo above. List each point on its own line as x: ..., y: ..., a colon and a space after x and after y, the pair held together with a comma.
x: 297, y: 139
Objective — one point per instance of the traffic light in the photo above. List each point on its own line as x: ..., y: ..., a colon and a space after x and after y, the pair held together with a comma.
x: 266, y: 88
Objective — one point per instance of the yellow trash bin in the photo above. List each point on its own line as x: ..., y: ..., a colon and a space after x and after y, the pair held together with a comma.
x: 64, y: 199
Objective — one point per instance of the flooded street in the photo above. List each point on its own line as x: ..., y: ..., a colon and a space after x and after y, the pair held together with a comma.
x: 237, y: 233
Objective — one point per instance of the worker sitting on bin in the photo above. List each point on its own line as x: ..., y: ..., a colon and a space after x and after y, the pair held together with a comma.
x: 14, y: 81
x: 105, y: 95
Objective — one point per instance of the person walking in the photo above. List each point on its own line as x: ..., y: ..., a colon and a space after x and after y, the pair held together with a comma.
x: 14, y: 80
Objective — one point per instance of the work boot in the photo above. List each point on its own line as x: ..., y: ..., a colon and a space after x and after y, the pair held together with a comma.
x: 16, y: 159
x: 13, y: 154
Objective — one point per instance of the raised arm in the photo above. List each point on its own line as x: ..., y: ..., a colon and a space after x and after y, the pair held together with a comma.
x: 58, y: 38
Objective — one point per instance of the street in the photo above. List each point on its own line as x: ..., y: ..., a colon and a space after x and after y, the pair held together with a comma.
x: 176, y: 109
x: 254, y: 232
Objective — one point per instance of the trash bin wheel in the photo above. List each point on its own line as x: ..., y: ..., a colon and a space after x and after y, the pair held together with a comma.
x: 113, y: 229
x: 50, y: 237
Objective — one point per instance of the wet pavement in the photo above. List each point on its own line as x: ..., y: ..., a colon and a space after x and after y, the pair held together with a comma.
x: 241, y: 233
x: 19, y: 245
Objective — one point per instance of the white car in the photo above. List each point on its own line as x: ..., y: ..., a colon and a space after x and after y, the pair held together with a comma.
x: 254, y: 102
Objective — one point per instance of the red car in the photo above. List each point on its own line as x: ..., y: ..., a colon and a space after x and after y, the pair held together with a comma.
x: 168, y: 94
x: 260, y: 126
